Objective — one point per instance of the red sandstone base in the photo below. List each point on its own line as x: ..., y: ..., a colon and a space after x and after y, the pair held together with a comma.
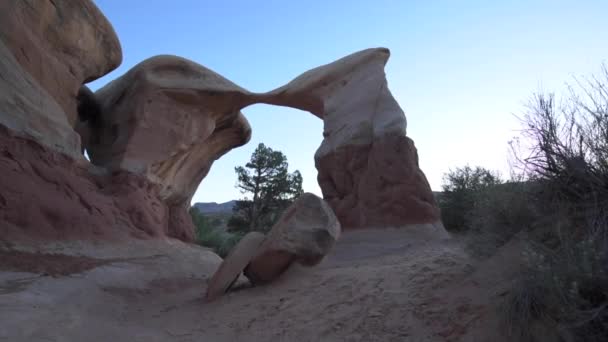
x: 377, y: 185
x: 47, y: 195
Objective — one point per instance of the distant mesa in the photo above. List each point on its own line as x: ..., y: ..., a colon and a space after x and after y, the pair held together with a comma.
x: 215, y: 208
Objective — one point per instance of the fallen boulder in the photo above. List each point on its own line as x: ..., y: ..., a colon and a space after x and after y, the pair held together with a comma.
x: 305, y: 233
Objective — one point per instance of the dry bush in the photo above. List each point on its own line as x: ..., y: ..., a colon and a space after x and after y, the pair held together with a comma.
x: 567, y: 159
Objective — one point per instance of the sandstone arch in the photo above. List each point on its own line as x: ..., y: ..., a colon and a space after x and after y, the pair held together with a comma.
x: 169, y: 118
x: 155, y: 131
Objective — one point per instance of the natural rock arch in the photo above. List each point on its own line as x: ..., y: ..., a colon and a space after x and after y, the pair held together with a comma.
x: 169, y: 118
x: 154, y: 133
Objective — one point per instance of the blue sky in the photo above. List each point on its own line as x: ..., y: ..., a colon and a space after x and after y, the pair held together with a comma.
x: 459, y: 69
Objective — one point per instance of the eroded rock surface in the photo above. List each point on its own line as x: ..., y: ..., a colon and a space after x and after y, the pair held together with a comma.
x: 169, y: 119
x: 61, y: 45
x: 305, y: 233
x: 48, y: 49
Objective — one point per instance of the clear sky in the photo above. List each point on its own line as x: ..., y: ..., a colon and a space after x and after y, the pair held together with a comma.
x: 459, y: 69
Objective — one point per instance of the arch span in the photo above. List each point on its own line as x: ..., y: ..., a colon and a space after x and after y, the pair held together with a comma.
x: 169, y: 118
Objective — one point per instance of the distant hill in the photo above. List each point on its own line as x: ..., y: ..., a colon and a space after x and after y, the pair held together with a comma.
x: 215, y: 208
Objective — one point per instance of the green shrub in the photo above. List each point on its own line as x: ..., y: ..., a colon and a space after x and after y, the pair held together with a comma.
x: 462, y: 190
x: 214, y: 237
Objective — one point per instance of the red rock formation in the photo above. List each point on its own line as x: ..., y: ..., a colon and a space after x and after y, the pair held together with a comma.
x: 50, y: 195
x: 48, y: 49
x: 377, y: 185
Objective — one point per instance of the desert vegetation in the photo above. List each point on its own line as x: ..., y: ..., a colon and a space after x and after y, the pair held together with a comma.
x: 268, y: 189
x: 557, y: 202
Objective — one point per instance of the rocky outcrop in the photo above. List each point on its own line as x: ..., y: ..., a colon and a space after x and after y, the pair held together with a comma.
x: 305, y: 233
x: 46, y: 194
x: 367, y: 166
x: 48, y: 49
x: 61, y: 45
x: 169, y: 119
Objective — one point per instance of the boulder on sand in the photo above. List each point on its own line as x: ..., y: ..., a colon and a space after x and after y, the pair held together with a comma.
x: 305, y: 233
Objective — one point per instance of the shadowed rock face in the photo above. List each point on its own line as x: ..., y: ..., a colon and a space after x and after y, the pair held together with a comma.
x: 169, y: 119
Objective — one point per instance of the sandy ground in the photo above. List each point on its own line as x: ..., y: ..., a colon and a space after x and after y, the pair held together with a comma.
x: 377, y: 285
